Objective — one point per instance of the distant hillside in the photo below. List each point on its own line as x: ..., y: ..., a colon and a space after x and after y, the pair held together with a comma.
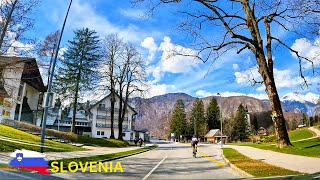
x: 154, y: 113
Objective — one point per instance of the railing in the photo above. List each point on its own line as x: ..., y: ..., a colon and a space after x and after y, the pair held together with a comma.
x: 100, y: 125
x: 109, y: 117
x: 69, y: 123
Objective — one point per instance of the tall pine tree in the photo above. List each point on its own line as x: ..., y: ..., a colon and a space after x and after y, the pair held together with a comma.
x: 241, y: 128
x: 199, y: 118
x: 179, y: 121
x: 77, y: 73
x: 213, y: 115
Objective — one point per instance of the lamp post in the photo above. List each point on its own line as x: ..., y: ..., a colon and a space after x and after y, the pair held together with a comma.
x: 221, y: 142
x: 45, y: 113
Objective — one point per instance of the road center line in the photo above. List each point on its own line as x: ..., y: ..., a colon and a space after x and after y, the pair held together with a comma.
x: 154, y: 168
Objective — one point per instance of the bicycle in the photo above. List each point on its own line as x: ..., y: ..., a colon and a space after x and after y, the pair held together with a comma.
x: 194, y: 149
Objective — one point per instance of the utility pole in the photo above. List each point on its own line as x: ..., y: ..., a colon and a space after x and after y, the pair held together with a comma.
x: 221, y: 142
x: 45, y: 113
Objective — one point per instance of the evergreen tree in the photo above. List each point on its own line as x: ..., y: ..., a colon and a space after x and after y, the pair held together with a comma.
x: 179, y: 121
x: 311, y: 121
x: 316, y: 119
x: 255, y: 123
x: 304, y: 119
x: 199, y: 118
x: 77, y: 73
x: 213, y: 115
x: 241, y: 124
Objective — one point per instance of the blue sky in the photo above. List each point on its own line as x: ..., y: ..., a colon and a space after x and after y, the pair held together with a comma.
x: 156, y: 34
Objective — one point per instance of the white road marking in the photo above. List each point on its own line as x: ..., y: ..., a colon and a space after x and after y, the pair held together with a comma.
x: 154, y: 168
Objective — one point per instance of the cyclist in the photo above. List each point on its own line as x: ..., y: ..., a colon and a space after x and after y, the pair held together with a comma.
x: 194, y: 143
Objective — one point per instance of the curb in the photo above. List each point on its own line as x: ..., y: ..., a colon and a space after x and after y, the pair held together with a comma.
x: 111, y: 159
x: 235, y: 168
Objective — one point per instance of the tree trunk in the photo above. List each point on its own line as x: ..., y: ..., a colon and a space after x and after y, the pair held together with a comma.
x: 112, y: 113
x: 277, y: 115
x: 73, y: 127
x: 120, y: 116
x: 6, y: 24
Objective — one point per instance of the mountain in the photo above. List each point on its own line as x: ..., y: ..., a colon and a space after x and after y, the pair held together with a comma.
x: 299, y: 103
x: 154, y: 113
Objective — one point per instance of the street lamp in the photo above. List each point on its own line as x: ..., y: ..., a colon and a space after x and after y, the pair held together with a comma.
x: 45, y: 113
x: 221, y: 142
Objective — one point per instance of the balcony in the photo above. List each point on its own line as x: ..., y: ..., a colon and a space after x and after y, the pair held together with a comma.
x: 100, y: 125
x: 69, y: 123
x: 107, y: 117
x: 107, y: 109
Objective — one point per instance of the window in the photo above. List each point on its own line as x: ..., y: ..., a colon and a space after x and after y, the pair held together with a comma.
x: 98, y: 133
x: 102, y: 133
x: 123, y: 134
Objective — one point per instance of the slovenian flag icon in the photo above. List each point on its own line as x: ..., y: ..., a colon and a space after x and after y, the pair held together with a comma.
x: 29, y: 160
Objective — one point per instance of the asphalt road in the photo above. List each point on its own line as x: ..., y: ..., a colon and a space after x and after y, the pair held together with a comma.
x: 168, y: 161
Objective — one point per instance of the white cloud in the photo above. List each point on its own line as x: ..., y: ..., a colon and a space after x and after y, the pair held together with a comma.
x: 156, y: 73
x: 284, y: 78
x: 83, y: 14
x: 149, y: 44
x: 247, y: 75
x: 171, y: 61
x: 131, y: 13
x: 308, y: 49
x: 261, y: 88
x: 203, y: 93
x: 159, y: 89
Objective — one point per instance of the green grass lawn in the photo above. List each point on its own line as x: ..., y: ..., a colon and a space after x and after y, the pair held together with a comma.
x: 102, y: 157
x: 31, y: 141
x: 255, y: 167
x: 300, y: 134
x: 295, y: 135
x: 309, y: 147
x: 71, y: 136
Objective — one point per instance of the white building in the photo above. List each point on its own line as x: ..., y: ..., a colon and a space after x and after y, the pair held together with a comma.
x: 20, y: 87
x: 100, y: 118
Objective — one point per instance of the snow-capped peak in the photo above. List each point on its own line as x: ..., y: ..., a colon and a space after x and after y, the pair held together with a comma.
x: 293, y: 97
x: 309, y: 97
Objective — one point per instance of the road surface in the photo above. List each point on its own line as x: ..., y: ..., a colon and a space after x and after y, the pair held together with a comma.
x: 168, y: 161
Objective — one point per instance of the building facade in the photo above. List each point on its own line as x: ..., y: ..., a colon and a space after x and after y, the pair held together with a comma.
x: 21, y: 87
x: 100, y: 118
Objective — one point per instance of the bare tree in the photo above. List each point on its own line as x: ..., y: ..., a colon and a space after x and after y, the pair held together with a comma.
x: 112, y: 52
x: 15, y: 21
x: 47, y: 49
x: 131, y: 79
x: 245, y: 25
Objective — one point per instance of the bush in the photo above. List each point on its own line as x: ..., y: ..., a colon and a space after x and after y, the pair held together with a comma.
x: 271, y: 138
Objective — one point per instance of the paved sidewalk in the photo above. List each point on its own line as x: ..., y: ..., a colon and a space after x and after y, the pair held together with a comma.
x: 93, y: 151
x: 302, y: 164
x: 315, y: 130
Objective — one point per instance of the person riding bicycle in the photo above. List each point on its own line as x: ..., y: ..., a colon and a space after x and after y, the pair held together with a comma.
x: 194, y: 143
